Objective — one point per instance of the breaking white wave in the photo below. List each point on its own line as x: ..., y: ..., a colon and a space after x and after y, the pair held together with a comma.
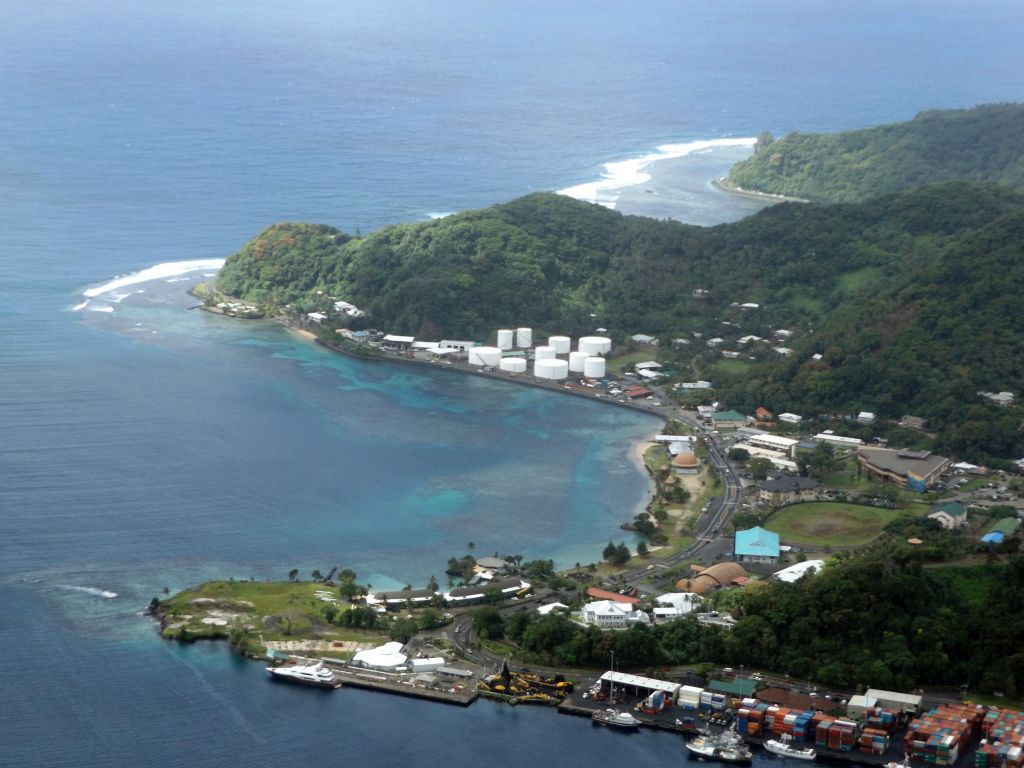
x: 157, y: 272
x: 628, y: 173
x: 90, y: 590
x: 435, y: 215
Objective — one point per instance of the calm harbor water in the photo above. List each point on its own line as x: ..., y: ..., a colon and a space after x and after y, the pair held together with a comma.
x: 146, y: 446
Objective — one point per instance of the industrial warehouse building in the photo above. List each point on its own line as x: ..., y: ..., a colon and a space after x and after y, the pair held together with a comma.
x: 636, y: 685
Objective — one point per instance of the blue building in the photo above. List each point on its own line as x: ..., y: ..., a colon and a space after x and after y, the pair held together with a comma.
x: 757, y: 545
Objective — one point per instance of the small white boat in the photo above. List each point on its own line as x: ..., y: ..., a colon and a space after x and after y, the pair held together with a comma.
x: 784, y: 746
x: 726, y: 747
x: 615, y: 718
x: 315, y: 674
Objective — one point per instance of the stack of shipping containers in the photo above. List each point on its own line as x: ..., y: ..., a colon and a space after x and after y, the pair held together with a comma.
x: 750, y: 717
x: 873, y: 741
x: 1003, y: 746
x: 938, y: 736
x: 689, y: 699
x: 881, y: 718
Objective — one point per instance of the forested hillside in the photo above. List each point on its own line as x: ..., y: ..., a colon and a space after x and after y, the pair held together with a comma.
x: 981, y: 144
x: 909, y: 298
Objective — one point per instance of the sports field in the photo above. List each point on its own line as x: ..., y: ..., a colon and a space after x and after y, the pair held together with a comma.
x: 830, y: 524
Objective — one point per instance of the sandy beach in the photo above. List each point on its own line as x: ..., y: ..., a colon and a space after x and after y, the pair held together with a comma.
x: 722, y: 183
x: 682, y: 189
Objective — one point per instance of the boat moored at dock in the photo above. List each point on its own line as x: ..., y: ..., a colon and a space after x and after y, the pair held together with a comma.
x: 726, y: 747
x: 785, y: 747
x: 315, y: 675
x: 615, y: 718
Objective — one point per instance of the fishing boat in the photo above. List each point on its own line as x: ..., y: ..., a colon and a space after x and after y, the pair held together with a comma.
x: 784, y: 746
x: 726, y: 747
x: 615, y: 718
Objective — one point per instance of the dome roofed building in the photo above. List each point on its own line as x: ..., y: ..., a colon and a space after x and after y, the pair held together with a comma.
x: 686, y: 463
x: 717, y: 576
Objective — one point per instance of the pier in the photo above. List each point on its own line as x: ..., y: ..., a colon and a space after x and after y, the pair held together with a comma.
x: 420, y: 686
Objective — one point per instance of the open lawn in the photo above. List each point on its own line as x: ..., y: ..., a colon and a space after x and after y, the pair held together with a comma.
x: 214, y: 608
x: 623, y: 363
x: 656, y: 457
x: 830, y: 524
x: 727, y: 366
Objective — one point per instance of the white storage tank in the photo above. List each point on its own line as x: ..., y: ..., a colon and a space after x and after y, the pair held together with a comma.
x: 524, y: 338
x: 487, y: 356
x: 576, y: 361
x: 505, y: 338
x: 595, y: 345
x: 544, y: 353
x: 513, y: 364
x: 593, y: 367
x: 562, y: 344
x: 551, y: 368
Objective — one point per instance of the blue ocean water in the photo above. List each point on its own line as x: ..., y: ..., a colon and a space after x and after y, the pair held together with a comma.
x: 152, y: 447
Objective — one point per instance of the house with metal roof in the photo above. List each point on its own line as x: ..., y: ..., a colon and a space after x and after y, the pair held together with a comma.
x: 756, y: 545
x: 728, y: 419
x: 950, y: 516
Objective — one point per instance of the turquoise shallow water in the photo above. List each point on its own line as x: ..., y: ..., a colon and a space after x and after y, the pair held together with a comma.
x: 153, y: 447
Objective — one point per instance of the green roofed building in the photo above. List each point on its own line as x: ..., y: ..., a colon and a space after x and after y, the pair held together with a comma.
x: 728, y: 420
x: 1006, y: 526
x: 739, y: 687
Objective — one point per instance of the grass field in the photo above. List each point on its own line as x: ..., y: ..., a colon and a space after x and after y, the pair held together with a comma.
x: 830, y: 524
x: 734, y: 366
x: 971, y: 582
x: 211, y: 609
x: 624, y: 363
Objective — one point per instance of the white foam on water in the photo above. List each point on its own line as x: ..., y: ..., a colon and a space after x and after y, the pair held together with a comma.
x: 107, y: 308
x: 620, y: 174
x: 156, y: 272
x: 440, y: 214
x: 80, y: 307
x: 90, y: 590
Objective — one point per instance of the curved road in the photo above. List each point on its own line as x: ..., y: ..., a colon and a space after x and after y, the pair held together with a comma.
x: 719, y: 514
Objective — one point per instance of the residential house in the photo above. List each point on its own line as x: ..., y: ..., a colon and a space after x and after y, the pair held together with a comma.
x: 950, y: 516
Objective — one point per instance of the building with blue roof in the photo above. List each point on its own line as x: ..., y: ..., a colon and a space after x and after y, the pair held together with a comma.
x: 756, y: 545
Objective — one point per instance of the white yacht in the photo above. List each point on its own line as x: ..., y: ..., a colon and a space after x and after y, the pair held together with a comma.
x: 315, y: 674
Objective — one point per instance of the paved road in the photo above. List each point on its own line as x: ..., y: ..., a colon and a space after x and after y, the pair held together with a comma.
x: 706, y: 545
x: 721, y: 509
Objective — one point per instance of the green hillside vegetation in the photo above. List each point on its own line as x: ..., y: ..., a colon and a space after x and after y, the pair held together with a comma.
x: 981, y: 144
x: 911, y: 297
